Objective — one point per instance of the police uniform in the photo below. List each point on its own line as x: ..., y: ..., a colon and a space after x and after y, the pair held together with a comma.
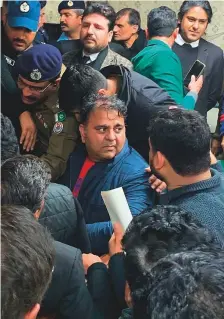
x: 57, y: 133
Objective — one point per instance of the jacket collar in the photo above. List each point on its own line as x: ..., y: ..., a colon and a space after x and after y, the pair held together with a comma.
x: 210, y: 183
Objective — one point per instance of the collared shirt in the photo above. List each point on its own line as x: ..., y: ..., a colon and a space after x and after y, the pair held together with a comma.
x: 92, y: 56
x: 63, y: 36
x: 179, y: 40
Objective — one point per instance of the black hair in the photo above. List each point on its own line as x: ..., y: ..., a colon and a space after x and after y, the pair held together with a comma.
x: 42, y: 4
x: 161, y: 22
x: 9, y: 141
x: 106, y: 102
x: 27, y: 256
x: 134, y: 16
x: 155, y: 235
x: 183, y: 137
x: 187, y: 5
x: 78, y: 82
x: 103, y: 9
x: 186, y: 286
x: 24, y: 180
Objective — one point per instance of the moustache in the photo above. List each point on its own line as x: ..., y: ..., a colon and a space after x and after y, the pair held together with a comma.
x: 62, y: 24
x: 18, y: 40
x: 89, y: 38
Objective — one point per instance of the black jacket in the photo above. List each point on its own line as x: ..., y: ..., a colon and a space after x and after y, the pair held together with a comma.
x: 68, y: 296
x: 212, y: 57
x: 144, y: 98
x: 63, y: 216
x: 136, y: 47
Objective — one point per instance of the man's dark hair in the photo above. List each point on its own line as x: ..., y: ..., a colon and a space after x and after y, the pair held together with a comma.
x: 183, y: 137
x: 78, y: 82
x: 108, y: 103
x: 27, y: 256
x: 42, y: 4
x: 134, y: 16
x: 9, y: 141
x: 161, y: 22
x: 185, y: 285
x: 24, y: 180
x: 187, y: 5
x: 104, y: 10
x: 154, y: 235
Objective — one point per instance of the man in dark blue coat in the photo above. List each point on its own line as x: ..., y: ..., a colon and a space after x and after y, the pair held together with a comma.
x: 104, y: 163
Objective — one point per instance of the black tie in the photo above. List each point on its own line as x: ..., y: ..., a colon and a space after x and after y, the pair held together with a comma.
x: 85, y: 59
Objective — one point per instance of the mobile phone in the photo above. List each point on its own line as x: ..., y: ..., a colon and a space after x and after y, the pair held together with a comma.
x: 196, y: 70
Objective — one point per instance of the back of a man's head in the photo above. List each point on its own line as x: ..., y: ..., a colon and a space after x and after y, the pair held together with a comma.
x: 159, y: 232
x: 9, y: 142
x: 27, y: 257
x: 183, y: 137
x: 24, y: 180
x: 77, y: 83
x: 161, y: 22
x: 185, y: 285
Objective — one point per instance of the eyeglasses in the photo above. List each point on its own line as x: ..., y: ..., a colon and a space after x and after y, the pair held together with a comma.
x: 33, y: 89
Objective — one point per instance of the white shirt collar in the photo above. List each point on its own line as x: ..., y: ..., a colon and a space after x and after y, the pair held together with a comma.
x: 179, y: 40
x: 92, y: 56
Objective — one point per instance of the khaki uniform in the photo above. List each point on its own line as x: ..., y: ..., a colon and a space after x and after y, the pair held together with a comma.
x: 55, y: 139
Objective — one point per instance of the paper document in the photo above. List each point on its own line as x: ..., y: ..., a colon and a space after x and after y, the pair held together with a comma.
x: 117, y: 206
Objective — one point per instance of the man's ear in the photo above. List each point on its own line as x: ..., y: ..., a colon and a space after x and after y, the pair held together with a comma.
x: 57, y: 82
x: 32, y: 314
x: 147, y: 33
x: 175, y: 33
x: 158, y: 160
x: 80, y: 19
x: 135, y: 28
x: 102, y: 92
x: 82, y: 132
x: 110, y: 35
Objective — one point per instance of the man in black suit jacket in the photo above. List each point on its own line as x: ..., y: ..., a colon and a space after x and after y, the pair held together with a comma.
x: 194, y: 17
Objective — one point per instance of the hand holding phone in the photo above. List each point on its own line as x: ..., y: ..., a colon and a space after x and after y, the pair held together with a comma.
x: 196, y: 70
x: 195, y: 85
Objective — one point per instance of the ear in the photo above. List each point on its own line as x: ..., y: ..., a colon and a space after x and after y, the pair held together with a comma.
x: 159, y: 160
x: 82, y: 133
x: 135, y: 28
x: 80, y: 19
x: 110, y: 35
x: 147, y: 33
x: 102, y: 92
x: 175, y: 33
x: 33, y: 313
x: 37, y: 214
x: 57, y: 82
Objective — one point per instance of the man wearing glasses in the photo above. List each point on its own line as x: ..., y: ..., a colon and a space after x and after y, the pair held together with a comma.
x: 39, y: 72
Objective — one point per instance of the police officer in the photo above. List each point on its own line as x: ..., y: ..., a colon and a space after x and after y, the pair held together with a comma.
x: 19, y: 26
x: 71, y: 19
x: 39, y: 72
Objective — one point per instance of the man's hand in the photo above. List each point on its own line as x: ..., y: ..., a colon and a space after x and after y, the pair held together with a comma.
x: 222, y: 143
x: 195, y: 85
x: 29, y: 131
x: 115, y: 241
x: 88, y: 260
x: 155, y: 182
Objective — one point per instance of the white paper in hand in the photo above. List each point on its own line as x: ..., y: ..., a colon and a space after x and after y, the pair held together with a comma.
x: 117, y: 206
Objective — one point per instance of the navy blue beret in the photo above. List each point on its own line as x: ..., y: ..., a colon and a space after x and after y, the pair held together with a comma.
x: 42, y: 4
x: 40, y: 63
x: 71, y: 5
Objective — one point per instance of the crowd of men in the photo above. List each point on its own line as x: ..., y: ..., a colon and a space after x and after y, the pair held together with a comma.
x: 108, y: 105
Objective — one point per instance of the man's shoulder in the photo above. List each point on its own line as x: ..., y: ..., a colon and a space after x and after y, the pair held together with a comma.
x: 114, y: 58
x: 132, y: 161
x: 65, y: 257
x: 69, y: 57
x: 211, y: 47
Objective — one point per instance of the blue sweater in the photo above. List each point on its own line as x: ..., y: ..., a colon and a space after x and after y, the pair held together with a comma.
x: 204, y: 200
x: 126, y: 170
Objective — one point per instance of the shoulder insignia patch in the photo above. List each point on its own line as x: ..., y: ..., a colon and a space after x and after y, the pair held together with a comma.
x: 58, y: 127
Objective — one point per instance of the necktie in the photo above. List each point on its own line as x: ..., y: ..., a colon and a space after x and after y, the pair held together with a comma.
x: 85, y: 59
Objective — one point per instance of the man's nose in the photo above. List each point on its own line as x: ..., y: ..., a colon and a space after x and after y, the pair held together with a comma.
x: 115, y: 28
x: 111, y: 135
x: 196, y: 25
x: 26, y: 91
x: 90, y: 30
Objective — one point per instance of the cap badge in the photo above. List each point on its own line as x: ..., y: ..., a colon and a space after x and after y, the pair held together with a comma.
x: 58, y: 127
x: 24, y: 7
x: 35, y: 75
x: 70, y: 3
